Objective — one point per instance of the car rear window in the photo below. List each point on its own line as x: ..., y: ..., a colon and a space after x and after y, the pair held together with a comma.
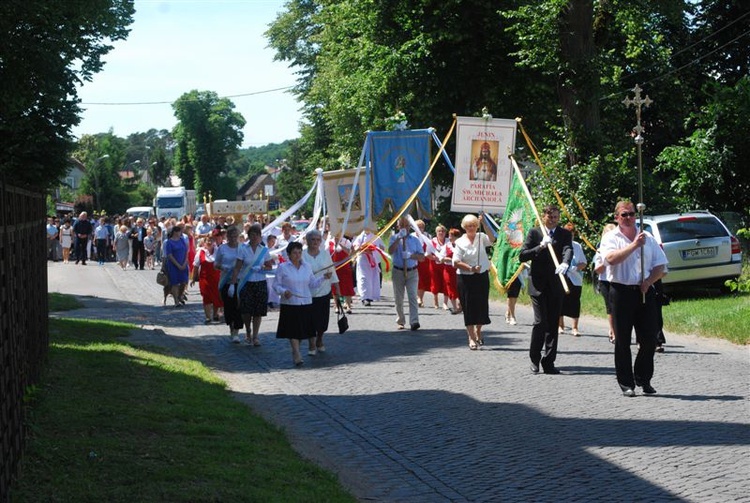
x: 691, y: 228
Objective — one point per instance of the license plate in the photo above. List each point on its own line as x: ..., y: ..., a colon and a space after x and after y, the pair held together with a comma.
x: 698, y: 253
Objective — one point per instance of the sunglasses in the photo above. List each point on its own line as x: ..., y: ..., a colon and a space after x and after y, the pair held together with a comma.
x: 627, y: 214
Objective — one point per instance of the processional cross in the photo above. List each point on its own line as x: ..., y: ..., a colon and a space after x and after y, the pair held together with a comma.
x: 639, y: 102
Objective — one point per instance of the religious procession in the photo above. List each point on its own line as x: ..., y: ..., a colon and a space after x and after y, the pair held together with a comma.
x: 369, y: 225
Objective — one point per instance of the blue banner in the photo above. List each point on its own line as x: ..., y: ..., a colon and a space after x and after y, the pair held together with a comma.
x: 399, y: 161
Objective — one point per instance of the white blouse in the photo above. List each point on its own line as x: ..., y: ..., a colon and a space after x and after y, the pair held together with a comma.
x: 472, y: 253
x: 299, y: 281
x: 321, y: 264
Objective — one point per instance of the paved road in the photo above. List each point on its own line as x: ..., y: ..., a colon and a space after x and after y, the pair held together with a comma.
x: 407, y: 416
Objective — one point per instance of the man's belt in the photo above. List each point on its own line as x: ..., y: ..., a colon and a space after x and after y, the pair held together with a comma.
x: 627, y: 287
x: 407, y: 269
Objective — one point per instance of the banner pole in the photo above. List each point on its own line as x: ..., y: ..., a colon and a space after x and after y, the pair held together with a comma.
x: 538, y: 219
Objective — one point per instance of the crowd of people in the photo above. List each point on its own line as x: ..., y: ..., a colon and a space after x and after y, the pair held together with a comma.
x: 242, y: 274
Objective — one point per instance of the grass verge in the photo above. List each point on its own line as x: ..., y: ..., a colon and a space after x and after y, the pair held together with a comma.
x: 112, y: 422
x: 62, y: 302
x: 701, y: 312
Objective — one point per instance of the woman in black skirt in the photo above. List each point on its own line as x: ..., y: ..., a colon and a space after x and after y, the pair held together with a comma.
x: 294, y: 283
x: 473, y: 280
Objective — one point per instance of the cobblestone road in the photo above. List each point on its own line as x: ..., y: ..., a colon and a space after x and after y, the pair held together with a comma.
x: 406, y: 416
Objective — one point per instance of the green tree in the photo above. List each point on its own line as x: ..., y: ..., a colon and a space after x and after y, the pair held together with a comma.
x: 151, y: 152
x: 706, y: 168
x: 102, y: 155
x: 48, y: 48
x: 207, y: 133
x: 565, y: 66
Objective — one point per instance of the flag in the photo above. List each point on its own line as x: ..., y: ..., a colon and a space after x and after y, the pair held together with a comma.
x: 516, y: 222
x: 400, y: 161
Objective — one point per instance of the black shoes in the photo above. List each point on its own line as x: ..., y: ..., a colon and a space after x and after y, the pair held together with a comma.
x: 629, y: 392
x: 552, y: 370
x: 415, y: 326
x: 647, y: 389
x: 534, y: 368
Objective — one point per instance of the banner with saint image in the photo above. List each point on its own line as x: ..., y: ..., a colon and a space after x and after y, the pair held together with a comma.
x: 483, y: 170
x: 338, y: 186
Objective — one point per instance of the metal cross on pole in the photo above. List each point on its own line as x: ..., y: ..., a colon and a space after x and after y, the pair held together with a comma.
x: 639, y: 102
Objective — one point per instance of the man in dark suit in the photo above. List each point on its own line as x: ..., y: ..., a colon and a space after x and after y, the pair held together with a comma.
x: 138, y: 234
x: 545, y: 288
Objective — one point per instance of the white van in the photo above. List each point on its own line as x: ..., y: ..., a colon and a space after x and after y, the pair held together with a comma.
x: 144, y: 212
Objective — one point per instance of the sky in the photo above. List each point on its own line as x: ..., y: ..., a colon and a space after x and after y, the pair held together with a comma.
x: 176, y: 46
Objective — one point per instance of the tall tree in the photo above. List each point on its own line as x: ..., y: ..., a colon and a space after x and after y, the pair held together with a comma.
x: 102, y: 155
x: 48, y: 48
x: 207, y: 132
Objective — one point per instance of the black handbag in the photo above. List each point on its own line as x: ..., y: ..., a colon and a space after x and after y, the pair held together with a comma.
x: 343, y: 322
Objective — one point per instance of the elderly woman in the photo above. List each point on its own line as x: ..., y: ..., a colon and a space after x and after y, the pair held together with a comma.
x: 294, y: 283
x: 320, y: 262
x: 250, y: 278
x: 122, y: 246
x: 473, y: 281
x: 176, y: 258
x: 208, y: 279
x: 225, y: 261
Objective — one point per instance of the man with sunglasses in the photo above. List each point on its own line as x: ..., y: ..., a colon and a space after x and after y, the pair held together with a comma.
x: 633, y: 297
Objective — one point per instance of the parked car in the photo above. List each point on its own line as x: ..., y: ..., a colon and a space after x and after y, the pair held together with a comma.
x: 699, y: 247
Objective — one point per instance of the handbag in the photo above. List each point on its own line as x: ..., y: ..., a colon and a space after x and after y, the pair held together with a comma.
x: 343, y: 323
x: 162, y: 278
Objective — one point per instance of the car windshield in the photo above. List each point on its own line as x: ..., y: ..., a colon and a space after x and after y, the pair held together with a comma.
x: 690, y: 228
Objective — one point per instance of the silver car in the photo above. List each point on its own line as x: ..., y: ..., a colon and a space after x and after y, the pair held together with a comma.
x: 699, y: 247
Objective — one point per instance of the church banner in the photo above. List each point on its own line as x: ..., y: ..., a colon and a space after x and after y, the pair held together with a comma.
x: 338, y: 186
x: 400, y: 161
x: 483, y: 170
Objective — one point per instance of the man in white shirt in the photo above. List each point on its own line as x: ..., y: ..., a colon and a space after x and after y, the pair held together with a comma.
x: 204, y: 228
x: 633, y: 296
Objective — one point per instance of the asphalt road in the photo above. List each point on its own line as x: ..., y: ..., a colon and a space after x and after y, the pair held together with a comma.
x: 406, y: 416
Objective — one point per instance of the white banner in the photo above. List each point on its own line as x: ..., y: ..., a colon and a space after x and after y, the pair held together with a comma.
x: 338, y: 191
x: 237, y: 207
x: 483, y: 170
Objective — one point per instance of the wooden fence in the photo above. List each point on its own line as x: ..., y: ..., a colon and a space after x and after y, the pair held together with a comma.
x: 24, y: 334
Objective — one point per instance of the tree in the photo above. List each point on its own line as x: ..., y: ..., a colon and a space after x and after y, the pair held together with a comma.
x: 151, y: 152
x: 102, y: 156
x: 48, y: 49
x: 565, y: 66
x: 207, y: 133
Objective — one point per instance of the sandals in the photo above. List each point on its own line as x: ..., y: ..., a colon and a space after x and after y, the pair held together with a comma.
x: 473, y: 345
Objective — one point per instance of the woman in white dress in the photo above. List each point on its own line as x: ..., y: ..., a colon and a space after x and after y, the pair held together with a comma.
x: 66, y: 239
x: 368, y: 266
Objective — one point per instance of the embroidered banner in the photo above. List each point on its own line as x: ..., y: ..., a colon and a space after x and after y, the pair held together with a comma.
x: 516, y: 222
x: 399, y: 161
x: 483, y: 170
x: 338, y: 186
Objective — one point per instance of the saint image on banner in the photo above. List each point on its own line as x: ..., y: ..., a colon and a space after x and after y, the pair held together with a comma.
x: 481, y: 182
x: 345, y: 193
x: 484, y: 167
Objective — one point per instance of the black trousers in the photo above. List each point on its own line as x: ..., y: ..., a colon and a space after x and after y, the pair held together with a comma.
x: 547, y: 308
x: 139, y: 254
x: 80, y: 249
x: 629, y: 312
x: 232, y: 314
x: 101, y: 250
